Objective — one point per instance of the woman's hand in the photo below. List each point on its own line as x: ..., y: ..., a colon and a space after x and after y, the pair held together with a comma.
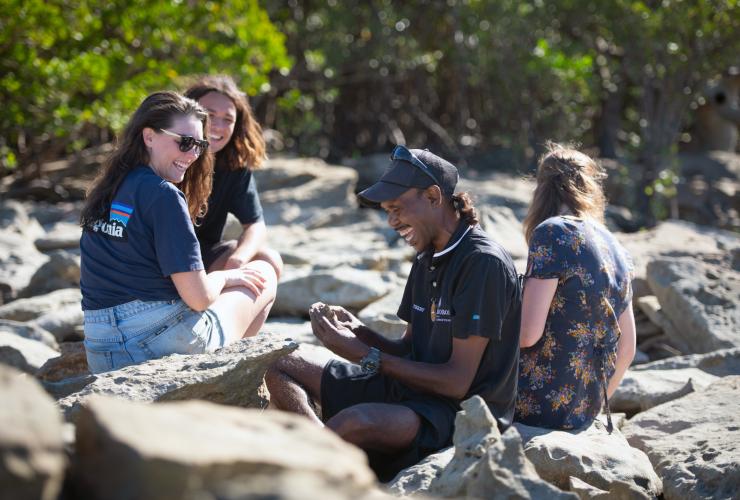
x: 246, y: 277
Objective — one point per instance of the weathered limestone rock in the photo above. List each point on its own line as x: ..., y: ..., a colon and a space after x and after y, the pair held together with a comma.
x: 24, y: 354
x: 172, y: 450
x: 503, y: 226
x: 32, y: 459
x: 295, y: 329
x: 346, y: 287
x: 650, y: 305
x: 19, y: 260
x: 672, y: 239
x: 618, y: 491
x: 71, y: 363
x: 592, y: 455
x: 14, y: 217
x: 62, y: 235
x: 307, y: 185
x: 28, y: 331
x: 232, y: 376
x: 418, y: 478
x: 34, y: 307
x: 381, y: 315
x: 485, y: 463
x: 661, y: 381
x: 693, y: 441
x: 702, y: 301
x: 61, y: 271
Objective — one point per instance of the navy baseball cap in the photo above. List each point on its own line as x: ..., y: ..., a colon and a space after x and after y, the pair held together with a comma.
x: 411, y: 168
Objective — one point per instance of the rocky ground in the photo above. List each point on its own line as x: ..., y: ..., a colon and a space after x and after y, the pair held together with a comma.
x: 65, y: 432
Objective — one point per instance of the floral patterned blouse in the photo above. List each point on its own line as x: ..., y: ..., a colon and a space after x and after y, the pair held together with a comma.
x: 561, y: 383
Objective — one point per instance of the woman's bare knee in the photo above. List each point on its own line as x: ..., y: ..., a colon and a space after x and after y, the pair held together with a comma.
x: 272, y: 257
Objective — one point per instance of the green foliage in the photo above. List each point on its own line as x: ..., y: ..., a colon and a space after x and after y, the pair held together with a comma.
x: 72, y: 68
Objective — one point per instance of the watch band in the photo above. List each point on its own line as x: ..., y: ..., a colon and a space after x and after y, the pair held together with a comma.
x: 370, y: 364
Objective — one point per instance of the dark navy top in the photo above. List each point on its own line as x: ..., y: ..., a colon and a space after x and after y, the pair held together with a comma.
x: 233, y: 191
x: 560, y: 377
x: 469, y: 288
x: 147, y: 237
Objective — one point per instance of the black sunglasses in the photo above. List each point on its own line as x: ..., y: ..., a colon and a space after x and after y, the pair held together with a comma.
x: 186, y: 142
x: 403, y: 153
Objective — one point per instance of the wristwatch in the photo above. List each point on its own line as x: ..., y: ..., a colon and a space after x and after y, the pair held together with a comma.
x: 370, y: 364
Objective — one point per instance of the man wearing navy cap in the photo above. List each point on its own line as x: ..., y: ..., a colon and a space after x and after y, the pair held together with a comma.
x: 462, y: 303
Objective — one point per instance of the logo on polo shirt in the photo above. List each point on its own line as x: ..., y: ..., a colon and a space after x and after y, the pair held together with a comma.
x: 115, y: 227
x: 418, y: 308
x: 440, y: 313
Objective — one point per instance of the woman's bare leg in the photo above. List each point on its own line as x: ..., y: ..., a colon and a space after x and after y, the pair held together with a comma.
x: 240, y: 311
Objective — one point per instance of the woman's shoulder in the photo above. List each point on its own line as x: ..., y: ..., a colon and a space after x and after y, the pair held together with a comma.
x: 559, y: 224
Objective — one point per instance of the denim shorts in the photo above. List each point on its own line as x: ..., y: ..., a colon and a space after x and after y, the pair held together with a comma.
x: 138, y: 331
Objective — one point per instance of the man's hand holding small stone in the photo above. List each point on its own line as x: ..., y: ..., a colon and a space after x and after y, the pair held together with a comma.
x: 336, y: 335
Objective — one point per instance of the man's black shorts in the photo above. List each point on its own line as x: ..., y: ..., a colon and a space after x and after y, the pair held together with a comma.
x: 211, y: 251
x: 344, y: 385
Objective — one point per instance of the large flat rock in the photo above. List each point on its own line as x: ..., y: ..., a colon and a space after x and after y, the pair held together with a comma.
x: 198, y: 449
x: 651, y: 384
x: 232, y: 376
x: 693, y: 442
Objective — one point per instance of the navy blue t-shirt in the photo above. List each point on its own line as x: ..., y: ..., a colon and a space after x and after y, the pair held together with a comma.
x: 147, y: 237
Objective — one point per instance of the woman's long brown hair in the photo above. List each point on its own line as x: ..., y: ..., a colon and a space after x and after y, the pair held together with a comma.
x: 246, y: 148
x: 565, y: 177
x: 158, y: 111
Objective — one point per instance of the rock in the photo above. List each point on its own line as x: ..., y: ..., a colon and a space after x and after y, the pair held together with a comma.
x: 346, y: 287
x: 173, y: 450
x: 302, y: 187
x: 418, y: 478
x: 14, y: 217
x: 702, y: 301
x: 64, y: 324
x: 62, y: 235
x: 28, y: 331
x: 61, y: 271
x: 381, y: 315
x: 232, y: 376
x: 692, y: 441
x: 24, y: 354
x: 500, y: 223
x: 655, y: 383
x: 32, y: 458
x: 484, y: 464
x: 618, y: 491
x: 71, y: 363
x: 295, y: 329
x: 19, y: 259
x: 592, y: 455
x: 34, y: 307
x: 650, y: 305
x: 672, y: 239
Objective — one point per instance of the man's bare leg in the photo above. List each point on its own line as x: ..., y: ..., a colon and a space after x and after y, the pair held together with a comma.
x: 379, y: 427
x: 294, y: 380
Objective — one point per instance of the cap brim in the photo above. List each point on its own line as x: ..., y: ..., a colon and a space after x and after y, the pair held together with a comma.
x: 380, y: 192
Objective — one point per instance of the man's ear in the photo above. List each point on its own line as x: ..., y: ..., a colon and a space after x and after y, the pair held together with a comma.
x: 434, y: 194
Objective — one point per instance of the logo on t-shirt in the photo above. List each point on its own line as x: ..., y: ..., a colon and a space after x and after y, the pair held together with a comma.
x: 115, y: 227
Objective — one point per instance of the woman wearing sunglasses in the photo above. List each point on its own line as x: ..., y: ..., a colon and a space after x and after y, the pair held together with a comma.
x: 145, y: 293
x: 577, y: 330
x: 236, y: 140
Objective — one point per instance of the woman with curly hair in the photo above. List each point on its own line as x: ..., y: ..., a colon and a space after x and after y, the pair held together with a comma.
x: 578, y: 331
x: 239, y: 148
x: 145, y: 293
